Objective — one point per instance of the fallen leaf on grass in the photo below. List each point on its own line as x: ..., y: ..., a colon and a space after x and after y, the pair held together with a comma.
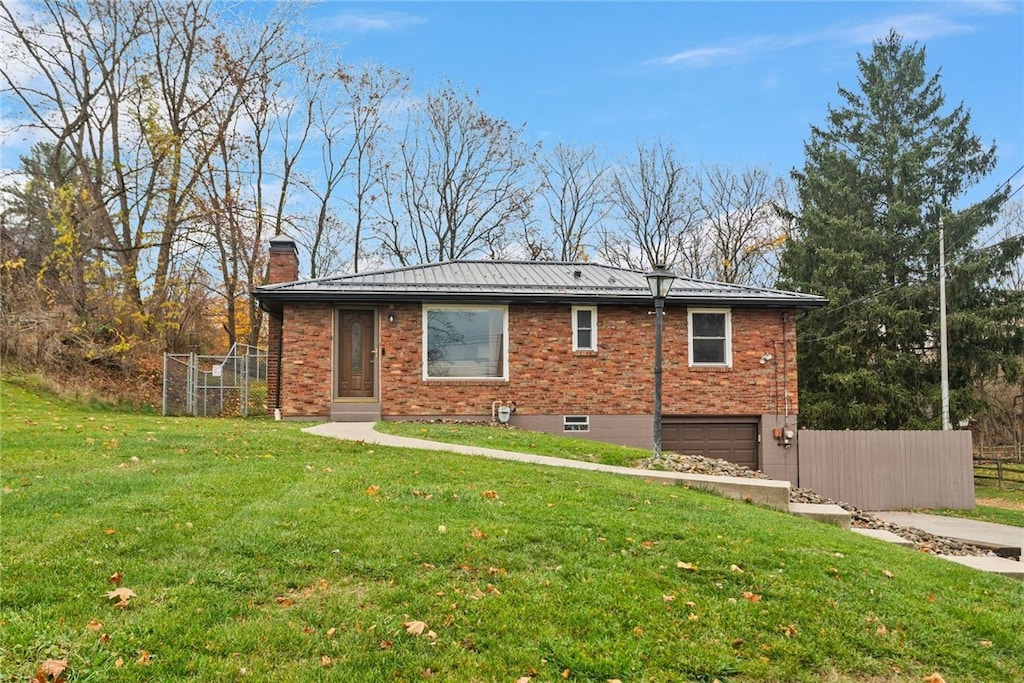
x: 145, y: 659
x: 735, y: 568
x: 284, y: 601
x: 789, y: 630
x: 372, y: 490
x: 476, y: 533
x: 751, y: 597
x: 491, y: 495
x: 415, y: 628
x: 386, y: 645
x: 118, y: 663
x: 94, y: 625
x: 986, y: 643
x: 116, y: 578
x: 121, y: 595
x: 523, y: 679
x: 687, y: 566
x: 326, y: 661
x: 668, y: 598
x: 935, y: 678
x: 330, y: 632
x: 888, y: 573
x: 51, y: 670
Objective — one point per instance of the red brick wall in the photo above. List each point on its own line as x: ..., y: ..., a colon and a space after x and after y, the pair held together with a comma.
x: 306, y: 365
x: 546, y: 376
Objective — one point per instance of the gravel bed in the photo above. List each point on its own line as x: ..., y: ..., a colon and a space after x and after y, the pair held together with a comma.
x: 922, y: 540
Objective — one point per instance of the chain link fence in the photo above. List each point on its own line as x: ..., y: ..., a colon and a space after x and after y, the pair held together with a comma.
x: 233, y: 385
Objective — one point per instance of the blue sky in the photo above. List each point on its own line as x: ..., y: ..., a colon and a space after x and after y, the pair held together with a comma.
x: 737, y: 83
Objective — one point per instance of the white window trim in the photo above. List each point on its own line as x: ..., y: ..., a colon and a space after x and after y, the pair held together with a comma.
x: 466, y: 307
x: 727, y: 312
x: 593, y: 328
x: 575, y: 423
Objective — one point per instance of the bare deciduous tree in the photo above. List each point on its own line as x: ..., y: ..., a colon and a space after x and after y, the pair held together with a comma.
x: 655, y: 209
x: 574, y: 195
x: 459, y: 184
x: 741, y: 224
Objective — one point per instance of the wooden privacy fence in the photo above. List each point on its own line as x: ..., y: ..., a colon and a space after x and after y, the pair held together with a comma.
x: 889, y: 470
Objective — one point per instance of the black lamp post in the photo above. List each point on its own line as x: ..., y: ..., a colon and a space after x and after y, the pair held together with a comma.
x: 660, y: 281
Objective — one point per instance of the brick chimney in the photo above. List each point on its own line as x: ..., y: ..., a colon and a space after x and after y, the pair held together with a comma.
x: 284, y: 260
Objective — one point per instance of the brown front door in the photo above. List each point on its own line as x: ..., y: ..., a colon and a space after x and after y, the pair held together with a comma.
x: 357, y: 354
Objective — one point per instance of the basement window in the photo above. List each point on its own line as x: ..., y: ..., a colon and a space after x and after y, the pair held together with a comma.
x: 575, y: 423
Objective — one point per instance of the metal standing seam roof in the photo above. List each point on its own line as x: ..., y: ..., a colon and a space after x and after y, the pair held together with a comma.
x: 524, y: 281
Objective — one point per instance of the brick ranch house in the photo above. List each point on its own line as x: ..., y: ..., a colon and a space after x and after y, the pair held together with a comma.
x: 568, y: 348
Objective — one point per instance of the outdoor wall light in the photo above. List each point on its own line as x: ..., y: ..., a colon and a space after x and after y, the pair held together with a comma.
x: 392, y: 318
x: 765, y: 358
x: 660, y: 281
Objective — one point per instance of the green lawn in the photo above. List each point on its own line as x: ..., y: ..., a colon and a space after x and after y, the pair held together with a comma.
x: 254, y: 551
x: 517, y: 441
x: 1002, y: 506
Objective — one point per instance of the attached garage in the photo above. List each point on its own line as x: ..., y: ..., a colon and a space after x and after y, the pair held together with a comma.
x: 733, y: 439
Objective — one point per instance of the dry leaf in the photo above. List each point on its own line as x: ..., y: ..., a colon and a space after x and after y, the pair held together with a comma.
x: 693, y: 617
x: 51, y: 670
x: 326, y: 661
x: 668, y: 598
x: 145, y: 659
x: 118, y: 663
x: 476, y: 533
x: 372, y: 490
x: 415, y: 628
x: 492, y: 495
x: 116, y: 578
x: 331, y: 631
x: 889, y: 573
x: 386, y: 645
x: 566, y: 673
x: 789, y: 630
x: 94, y: 625
x: 935, y: 678
x: 687, y: 566
x: 986, y: 643
x: 751, y: 597
x: 734, y: 568
x: 104, y: 638
x: 523, y: 679
x: 284, y: 601
x: 110, y: 532
x: 121, y: 594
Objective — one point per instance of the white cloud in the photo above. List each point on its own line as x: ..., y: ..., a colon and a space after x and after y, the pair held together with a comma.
x: 912, y: 27
x: 701, y: 56
x: 366, y: 22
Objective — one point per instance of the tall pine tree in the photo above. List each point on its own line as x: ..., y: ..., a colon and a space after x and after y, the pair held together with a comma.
x: 877, y: 179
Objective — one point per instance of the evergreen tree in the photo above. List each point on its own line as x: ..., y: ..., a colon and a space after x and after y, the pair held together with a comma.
x: 877, y: 179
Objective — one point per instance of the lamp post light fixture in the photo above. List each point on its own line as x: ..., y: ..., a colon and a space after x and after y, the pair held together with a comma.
x: 660, y: 281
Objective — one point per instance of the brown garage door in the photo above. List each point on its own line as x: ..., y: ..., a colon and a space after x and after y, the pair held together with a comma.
x: 735, y: 441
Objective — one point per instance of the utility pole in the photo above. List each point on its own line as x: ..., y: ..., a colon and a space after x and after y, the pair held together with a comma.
x: 943, y: 357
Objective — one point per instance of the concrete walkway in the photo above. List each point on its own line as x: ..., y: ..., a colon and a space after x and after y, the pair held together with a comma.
x: 768, y: 492
x: 1002, y: 538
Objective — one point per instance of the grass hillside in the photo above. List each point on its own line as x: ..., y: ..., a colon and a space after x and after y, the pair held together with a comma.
x: 140, y: 548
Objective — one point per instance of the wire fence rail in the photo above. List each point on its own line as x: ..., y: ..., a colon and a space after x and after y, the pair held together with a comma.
x: 1001, y: 466
x: 232, y: 385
